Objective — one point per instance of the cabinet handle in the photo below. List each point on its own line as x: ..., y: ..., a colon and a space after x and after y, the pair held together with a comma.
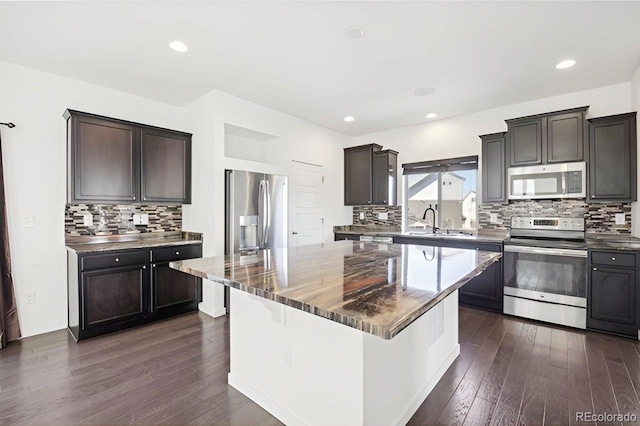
x: 368, y: 202
x: 144, y: 267
x: 595, y: 269
x: 613, y: 259
x: 117, y: 260
x: 177, y: 252
x: 154, y: 265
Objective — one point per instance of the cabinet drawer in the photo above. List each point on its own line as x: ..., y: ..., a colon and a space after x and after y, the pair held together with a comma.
x: 613, y: 258
x: 176, y: 252
x: 115, y: 259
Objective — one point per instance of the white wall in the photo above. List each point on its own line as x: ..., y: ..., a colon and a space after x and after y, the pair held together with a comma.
x: 34, y: 156
x: 635, y: 106
x: 458, y: 136
x: 295, y: 139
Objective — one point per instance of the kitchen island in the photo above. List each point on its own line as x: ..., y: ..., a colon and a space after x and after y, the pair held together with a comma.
x: 343, y: 333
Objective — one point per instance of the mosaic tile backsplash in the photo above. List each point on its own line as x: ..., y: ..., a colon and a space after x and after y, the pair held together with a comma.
x: 371, y: 215
x: 118, y: 219
x: 598, y: 217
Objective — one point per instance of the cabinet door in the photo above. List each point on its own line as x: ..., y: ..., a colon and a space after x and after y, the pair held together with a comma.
x: 166, y: 166
x: 358, y: 163
x: 613, y: 300
x: 385, y: 165
x: 485, y: 290
x: 526, y: 141
x: 493, y: 168
x: 565, y: 137
x: 173, y: 291
x: 612, y: 168
x: 113, y: 298
x: 103, y: 160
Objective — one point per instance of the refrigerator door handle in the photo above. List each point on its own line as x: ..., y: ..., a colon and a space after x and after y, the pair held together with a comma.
x: 261, y: 213
x: 267, y: 214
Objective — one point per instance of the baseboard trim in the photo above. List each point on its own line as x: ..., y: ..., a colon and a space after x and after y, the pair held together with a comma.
x: 275, y: 409
x: 215, y: 313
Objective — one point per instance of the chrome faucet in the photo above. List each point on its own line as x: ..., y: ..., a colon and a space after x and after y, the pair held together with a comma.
x: 433, y: 223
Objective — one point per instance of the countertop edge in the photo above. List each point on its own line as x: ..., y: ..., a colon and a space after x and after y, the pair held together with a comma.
x: 134, y: 245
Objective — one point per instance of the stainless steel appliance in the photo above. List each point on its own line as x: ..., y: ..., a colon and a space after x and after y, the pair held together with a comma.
x: 256, y: 211
x: 545, y: 270
x: 563, y: 180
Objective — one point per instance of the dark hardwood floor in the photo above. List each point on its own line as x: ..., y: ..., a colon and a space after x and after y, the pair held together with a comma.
x: 509, y: 371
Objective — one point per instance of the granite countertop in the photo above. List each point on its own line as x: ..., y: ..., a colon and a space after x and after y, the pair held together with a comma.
x: 600, y: 241
x: 93, y: 245
x: 376, y: 288
x: 482, y: 236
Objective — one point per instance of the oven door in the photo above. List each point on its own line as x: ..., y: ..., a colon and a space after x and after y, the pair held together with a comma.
x: 549, y: 275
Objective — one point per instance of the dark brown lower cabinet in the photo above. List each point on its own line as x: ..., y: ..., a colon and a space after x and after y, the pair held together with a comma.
x: 173, y: 292
x: 613, y: 300
x: 339, y: 237
x: 119, y: 289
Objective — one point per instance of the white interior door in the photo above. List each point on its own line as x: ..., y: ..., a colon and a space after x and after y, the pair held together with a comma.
x: 305, y: 204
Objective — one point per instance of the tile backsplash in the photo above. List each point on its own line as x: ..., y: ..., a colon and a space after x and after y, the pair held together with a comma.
x: 111, y: 219
x: 394, y: 215
x: 598, y: 217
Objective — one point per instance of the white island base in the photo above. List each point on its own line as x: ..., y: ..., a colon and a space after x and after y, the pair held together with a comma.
x: 305, y: 369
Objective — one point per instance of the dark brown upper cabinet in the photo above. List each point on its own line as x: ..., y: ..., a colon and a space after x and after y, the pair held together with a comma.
x: 613, y: 162
x: 166, y: 166
x: 554, y: 137
x: 494, y: 179
x: 103, y: 157
x: 368, y: 174
x: 116, y: 161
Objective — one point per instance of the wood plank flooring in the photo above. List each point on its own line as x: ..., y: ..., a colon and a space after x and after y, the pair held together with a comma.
x: 510, y: 371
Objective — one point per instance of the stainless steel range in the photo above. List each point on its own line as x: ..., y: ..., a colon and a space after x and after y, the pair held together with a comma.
x: 545, y: 270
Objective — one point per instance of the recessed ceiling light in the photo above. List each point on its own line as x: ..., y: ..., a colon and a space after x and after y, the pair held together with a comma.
x: 355, y: 32
x: 178, y: 46
x: 431, y: 115
x: 567, y: 63
x: 349, y: 119
x: 424, y: 91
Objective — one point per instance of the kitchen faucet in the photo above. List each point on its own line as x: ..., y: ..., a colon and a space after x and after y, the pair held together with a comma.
x: 433, y: 223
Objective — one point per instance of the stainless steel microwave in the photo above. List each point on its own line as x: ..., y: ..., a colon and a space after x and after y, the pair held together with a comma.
x: 564, y: 180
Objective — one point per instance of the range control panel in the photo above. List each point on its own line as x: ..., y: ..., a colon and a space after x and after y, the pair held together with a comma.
x: 552, y: 223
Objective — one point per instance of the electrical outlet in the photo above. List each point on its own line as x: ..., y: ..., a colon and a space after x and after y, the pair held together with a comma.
x: 383, y: 216
x: 620, y: 219
x: 493, y: 217
x: 28, y: 222
x: 87, y: 220
x: 30, y: 297
x: 361, y: 215
x: 140, y: 219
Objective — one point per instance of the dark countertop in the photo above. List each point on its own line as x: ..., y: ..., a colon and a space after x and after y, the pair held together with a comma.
x: 599, y: 241
x: 376, y: 288
x: 482, y: 236
x: 130, y: 243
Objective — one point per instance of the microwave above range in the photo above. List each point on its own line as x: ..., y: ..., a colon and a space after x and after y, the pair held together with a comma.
x: 563, y: 180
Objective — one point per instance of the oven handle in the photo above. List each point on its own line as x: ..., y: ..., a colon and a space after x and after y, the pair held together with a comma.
x: 548, y: 251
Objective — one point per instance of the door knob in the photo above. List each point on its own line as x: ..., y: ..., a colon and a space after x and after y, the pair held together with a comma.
x: 294, y: 233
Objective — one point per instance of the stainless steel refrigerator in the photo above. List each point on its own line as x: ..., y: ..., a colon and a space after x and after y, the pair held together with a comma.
x: 256, y: 211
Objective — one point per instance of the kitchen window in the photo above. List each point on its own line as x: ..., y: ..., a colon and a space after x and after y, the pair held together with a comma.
x: 440, y: 193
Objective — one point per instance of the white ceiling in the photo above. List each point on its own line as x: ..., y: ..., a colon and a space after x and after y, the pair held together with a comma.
x: 295, y: 56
